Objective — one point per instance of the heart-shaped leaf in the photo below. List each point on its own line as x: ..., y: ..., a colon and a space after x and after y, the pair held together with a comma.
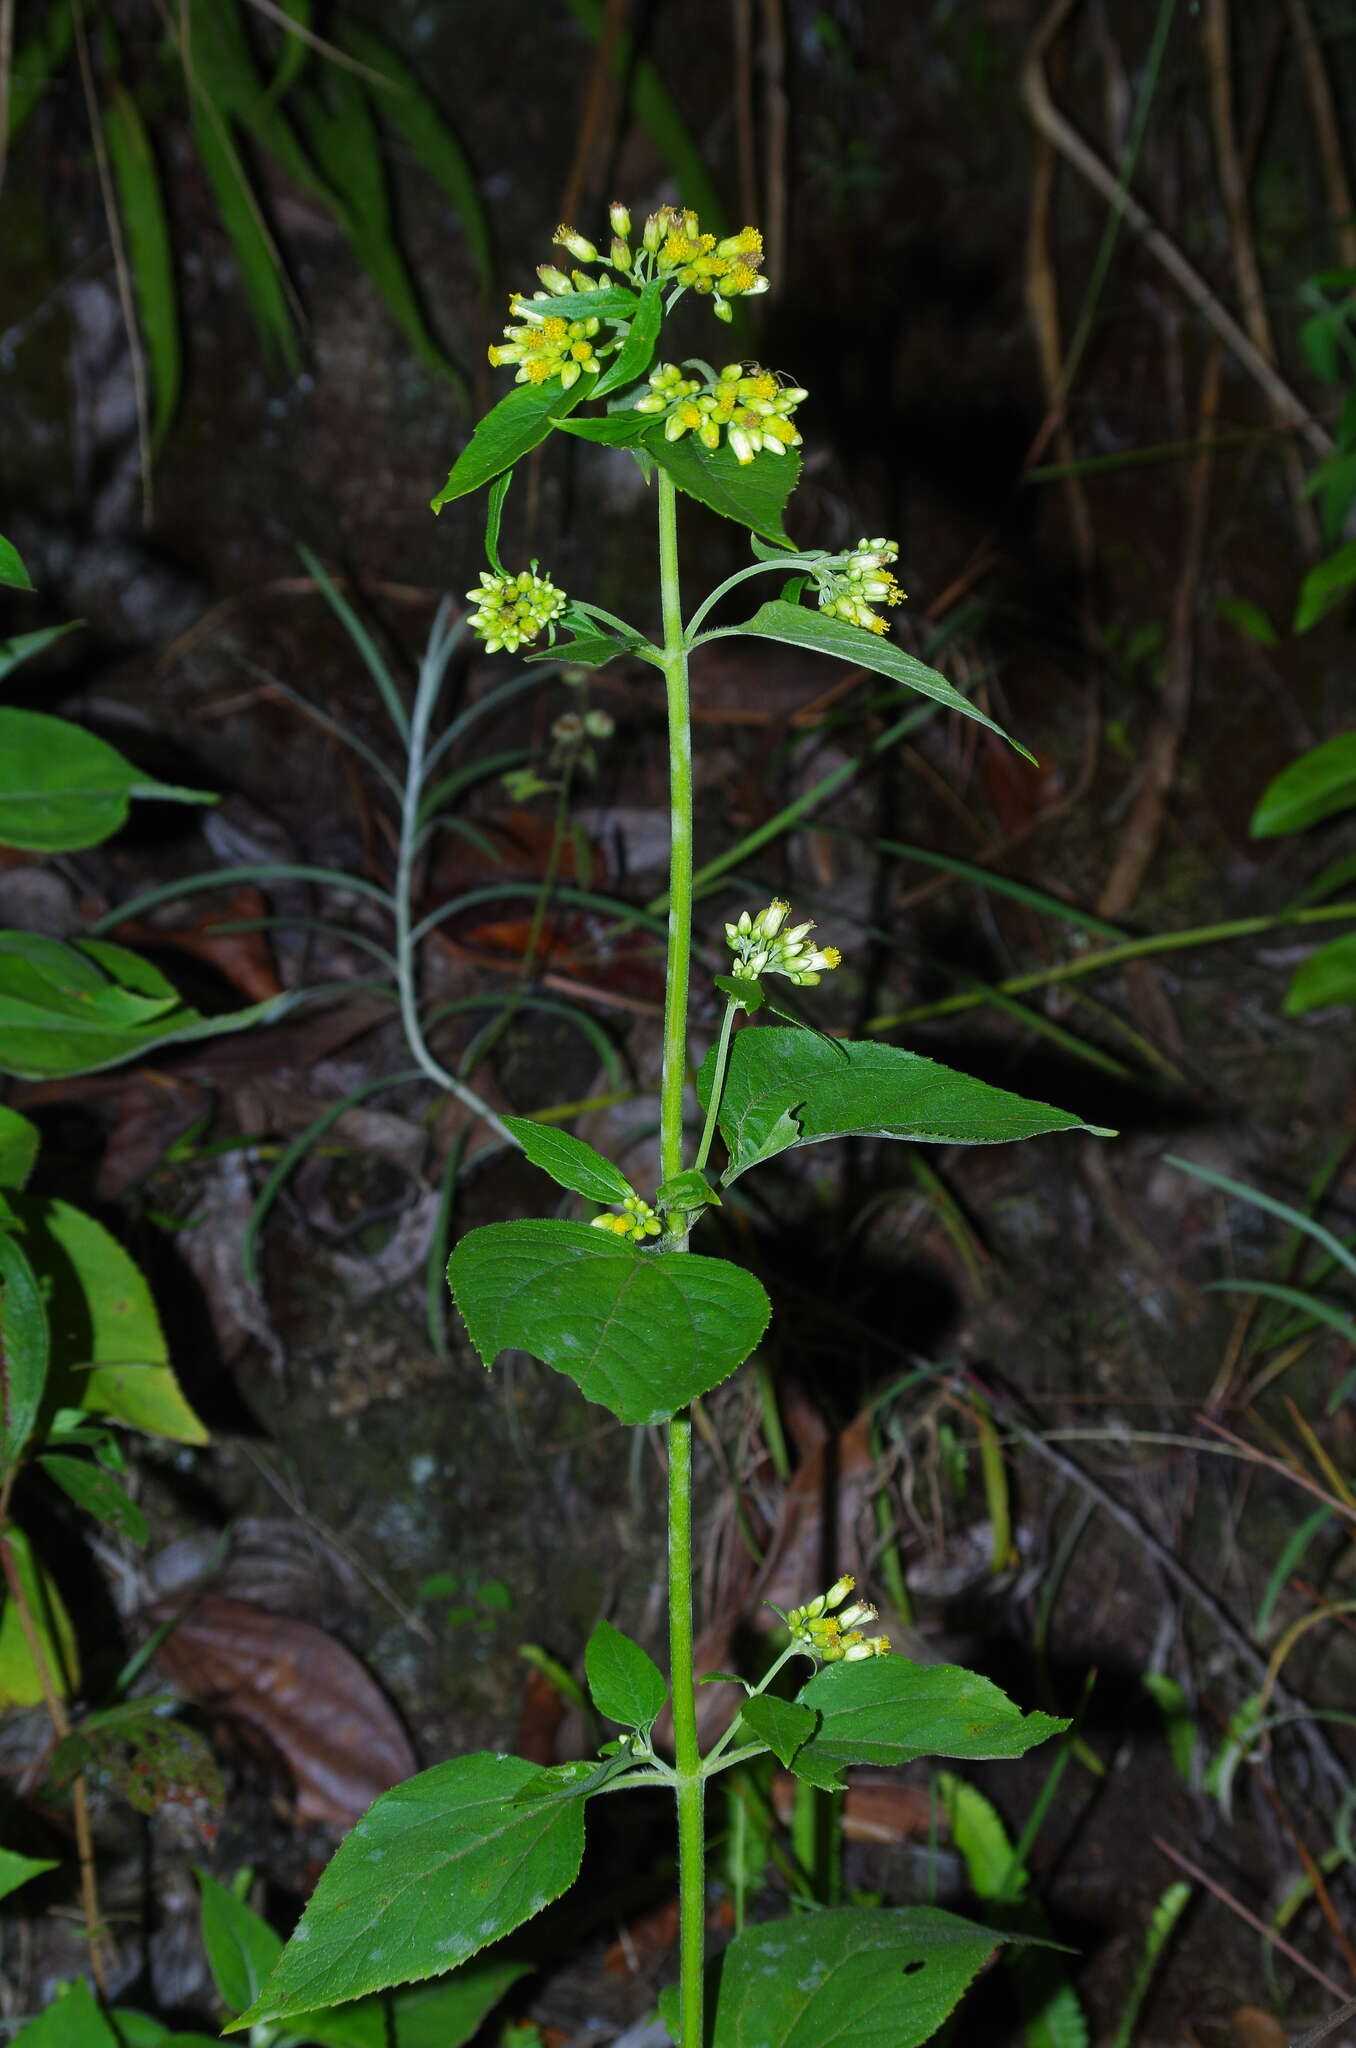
x: 641, y: 1333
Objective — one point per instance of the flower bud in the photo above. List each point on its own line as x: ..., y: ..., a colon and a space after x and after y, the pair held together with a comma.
x: 578, y: 245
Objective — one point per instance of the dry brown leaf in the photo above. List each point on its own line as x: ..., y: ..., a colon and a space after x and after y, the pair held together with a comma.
x: 301, y: 1691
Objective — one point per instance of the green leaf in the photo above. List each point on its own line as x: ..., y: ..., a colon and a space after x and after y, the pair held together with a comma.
x: 1327, y: 976
x: 1249, y: 618
x: 23, y: 647
x: 62, y: 788
x: 787, y: 1087
x: 981, y: 1839
x: 888, y: 1710
x: 18, y: 1148
x: 38, y: 58
x: 261, y: 269
x: 25, y: 1350
x: 13, y: 574
x: 509, y: 431
x: 626, y: 1683
x: 436, y: 1869
x: 611, y: 429
x: 72, y: 2020
x: 688, y: 1192
x: 636, y: 353
x: 784, y: 1725
x: 343, y: 139
x: 142, y: 206
x: 103, y: 1316
x: 592, y: 650
x: 1179, y: 1725
x: 1321, y: 783
x: 409, y: 109
x: 748, y: 992
x: 797, y: 626
x: 753, y: 494
x: 446, y: 2015
x: 641, y: 1333
x: 1169, y: 1909
x: 873, y: 1977
x: 79, y: 1008
x: 569, y: 1161
x: 1325, y: 586
x: 20, y: 1683
x: 98, y: 1493
x: 16, y: 1870
x: 241, y: 1948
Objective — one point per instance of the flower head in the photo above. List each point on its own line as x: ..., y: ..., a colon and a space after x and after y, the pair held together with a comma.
x: 745, y: 402
x: 850, y: 584
x: 544, y: 344
x: 509, y: 610
x: 766, y: 944
x: 836, y: 1638
x: 637, y: 1220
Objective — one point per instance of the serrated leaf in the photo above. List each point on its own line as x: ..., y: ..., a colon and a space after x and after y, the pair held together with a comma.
x: 875, y: 1977
x: 784, y: 1725
x: 626, y: 1683
x: 98, y: 1493
x: 103, y: 1316
x: 25, y: 1349
x: 509, y: 431
x: 142, y: 206
x: 409, y: 109
x: 438, y: 1868
x: 242, y: 1949
x: 82, y: 1007
x: 1327, y: 976
x: 24, y: 646
x: 16, y: 1870
x: 609, y: 430
x: 753, y: 494
x: 888, y: 1710
x: 589, y: 650
x: 636, y: 353
x: 569, y: 1161
x: 62, y: 788
x: 742, y: 989
x: 787, y: 1087
x: 640, y: 1333
x: 797, y: 626
x: 13, y: 574
x: 20, y: 1682
x: 18, y: 1148
x: 688, y: 1192
x: 1317, y: 786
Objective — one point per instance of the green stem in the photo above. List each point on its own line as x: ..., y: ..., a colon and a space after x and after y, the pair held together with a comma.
x: 690, y: 1788
x: 732, y: 1010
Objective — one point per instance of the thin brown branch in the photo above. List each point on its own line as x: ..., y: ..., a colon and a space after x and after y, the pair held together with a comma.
x: 774, y: 124
x: 1327, y: 131
x: 1269, y: 1934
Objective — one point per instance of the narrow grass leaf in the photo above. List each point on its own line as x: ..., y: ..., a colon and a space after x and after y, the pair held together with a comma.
x: 1295, y: 1217
x: 1164, y: 1919
x: 141, y: 203
x: 256, y: 253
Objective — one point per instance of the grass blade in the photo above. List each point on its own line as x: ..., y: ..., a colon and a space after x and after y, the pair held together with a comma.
x: 377, y: 665
x: 1295, y: 1217
x: 142, y: 205
x: 292, y: 1154
x: 1002, y: 885
x: 271, y: 301
x: 1163, y: 1919
x: 36, y: 63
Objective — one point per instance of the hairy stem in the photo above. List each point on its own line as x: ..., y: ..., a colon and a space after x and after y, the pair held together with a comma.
x: 690, y: 1789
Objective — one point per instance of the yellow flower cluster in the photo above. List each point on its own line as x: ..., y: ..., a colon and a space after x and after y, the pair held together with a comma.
x: 850, y: 584
x: 747, y: 402
x: 544, y: 345
x: 637, y: 1220
x: 836, y: 1638
x: 761, y: 946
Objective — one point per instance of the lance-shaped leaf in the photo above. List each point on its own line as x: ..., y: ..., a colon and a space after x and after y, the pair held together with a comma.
x: 25, y: 1346
x: 21, y: 1682
x: 797, y: 626
x: 641, y: 1333
x: 509, y: 431
x: 753, y: 494
x: 242, y: 1948
x: 16, y: 1870
x: 626, y: 1683
x: 1317, y: 786
x: 18, y: 1148
x: 636, y: 353
x: 569, y: 1161
x: 1327, y: 976
x: 13, y: 574
x: 609, y: 429
x: 141, y: 202
x: 79, y: 1008
x: 109, y: 1355
x: 24, y: 646
x: 790, y: 1087
x: 888, y: 1710
x: 875, y: 1978
x: 98, y: 1493
x: 438, y: 1868
x: 62, y: 788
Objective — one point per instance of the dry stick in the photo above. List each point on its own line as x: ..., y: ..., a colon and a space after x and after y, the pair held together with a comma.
x: 1327, y: 131
x: 1310, y: 1865
x: 1070, y: 144
x: 1321, y: 1752
x: 1042, y: 305
x: 1325, y: 2027
x: 1278, y: 1941
x: 1144, y: 827
x: 1215, y: 41
x: 84, y: 1838
x: 598, y: 95
x: 121, y: 270
x: 743, y: 100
